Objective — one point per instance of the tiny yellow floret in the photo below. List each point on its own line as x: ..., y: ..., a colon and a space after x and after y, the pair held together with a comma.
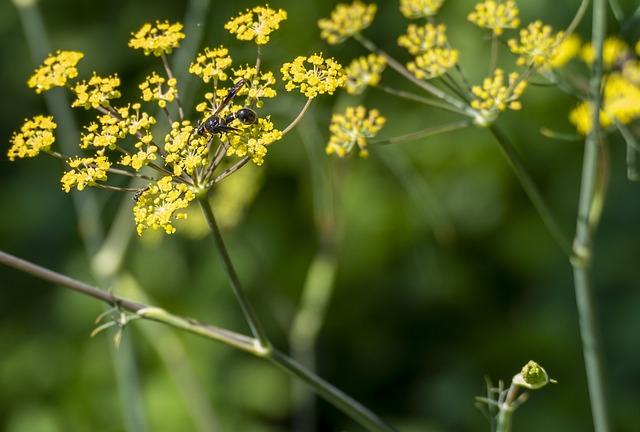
x: 364, y: 71
x: 537, y: 45
x: 160, y: 203
x: 495, y: 96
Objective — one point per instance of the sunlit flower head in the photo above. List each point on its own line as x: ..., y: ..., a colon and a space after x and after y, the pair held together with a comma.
x: 567, y: 50
x: 159, y: 205
x: 495, y: 96
x: 613, y: 51
x: 35, y: 135
x: 313, y: 75
x: 159, y: 39
x: 212, y: 64
x: 256, y: 24
x: 621, y: 99
x: 420, y: 39
x: 364, y: 71
x: 183, y: 153
x: 496, y: 16
x: 346, y: 20
x: 433, y: 63
x: 353, y: 128
x: 98, y: 92
x: 537, y: 45
x: 86, y: 172
x: 419, y: 8
x: 159, y: 89
x: 56, y: 71
x: 260, y: 85
x: 580, y: 117
x: 254, y: 141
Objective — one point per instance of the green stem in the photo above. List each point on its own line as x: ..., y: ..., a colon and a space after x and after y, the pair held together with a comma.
x: 245, y: 304
x: 587, y: 222
x: 531, y: 190
x: 330, y: 393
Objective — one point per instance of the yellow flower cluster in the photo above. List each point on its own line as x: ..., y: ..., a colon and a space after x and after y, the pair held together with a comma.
x: 256, y: 142
x: 420, y: 39
x: 419, y: 8
x: 152, y: 90
x: 97, y: 92
x: 211, y: 64
x: 614, y: 52
x: 496, y: 16
x: 352, y: 128
x: 56, y: 71
x: 568, y: 49
x: 159, y: 204
x: 256, y: 24
x: 364, y: 71
x: 158, y: 40
x: 537, y: 46
x: 433, y: 63
x: 35, y: 135
x: 494, y: 96
x: 86, y: 172
x: 346, y: 21
x: 182, y: 152
x: 313, y: 75
x: 261, y: 85
x: 620, y: 104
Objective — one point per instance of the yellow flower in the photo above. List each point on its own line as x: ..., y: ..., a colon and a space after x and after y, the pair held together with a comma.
x: 260, y: 87
x: 353, y: 128
x: 568, y: 49
x: 160, y: 203
x: 254, y: 143
x: 152, y: 90
x: 419, y: 8
x: 256, y: 23
x: 97, y: 93
x: 346, y: 20
x: 85, y: 172
x: 580, y: 116
x: 184, y: 153
x: 35, y: 135
x: 364, y: 71
x: 159, y: 39
x: 211, y: 64
x: 495, y: 16
x: 433, y: 63
x: 537, y: 45
x: 621, y: 99
x: 420, y: 39
x: 55, y: 71
x: 613, y: 51
x: 494, y: 96
x: 322, y: 75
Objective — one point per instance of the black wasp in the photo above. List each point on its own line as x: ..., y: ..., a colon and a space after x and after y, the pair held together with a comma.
x: 217, y: 124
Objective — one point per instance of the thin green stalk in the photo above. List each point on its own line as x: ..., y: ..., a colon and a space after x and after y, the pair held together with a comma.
x: 587, y: 222
x: 330, y: 393
x: 531, y: 190
x: 245, y: 304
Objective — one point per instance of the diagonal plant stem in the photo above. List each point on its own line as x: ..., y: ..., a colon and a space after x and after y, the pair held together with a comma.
x: 531, y: 190
x: 331, y: 394
x: 245, y: 304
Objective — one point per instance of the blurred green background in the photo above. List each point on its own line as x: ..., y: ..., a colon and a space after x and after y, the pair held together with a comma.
x: 418, y: 316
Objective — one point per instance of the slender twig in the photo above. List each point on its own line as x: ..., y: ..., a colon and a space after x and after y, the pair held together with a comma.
x: 423, y: 133
x: 245, y: 304
x: 531, y: 190
x: 299, y: 117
